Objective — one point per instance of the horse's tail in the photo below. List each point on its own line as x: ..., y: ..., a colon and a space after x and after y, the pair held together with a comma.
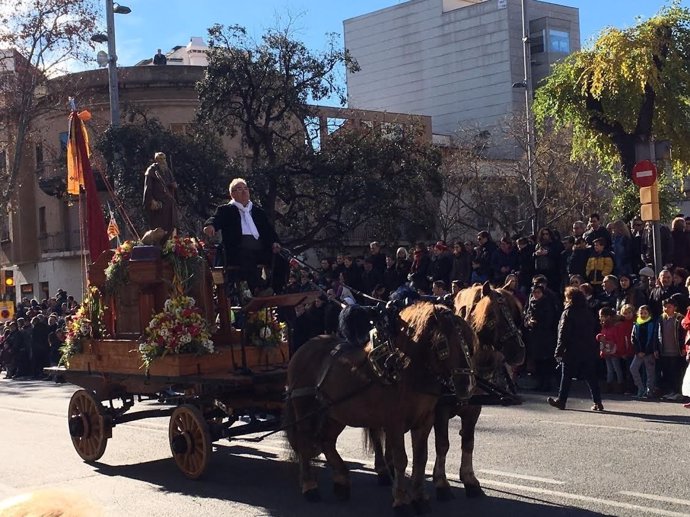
x: 371, y: 437
x: 288, y: 421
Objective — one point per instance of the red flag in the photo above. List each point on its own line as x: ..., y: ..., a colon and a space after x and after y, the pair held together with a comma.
x: 78, y: 153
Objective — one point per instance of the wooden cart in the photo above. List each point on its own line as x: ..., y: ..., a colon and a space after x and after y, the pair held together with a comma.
x: 235, y: 391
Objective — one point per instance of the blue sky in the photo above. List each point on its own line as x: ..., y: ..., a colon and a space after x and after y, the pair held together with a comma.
x: 154, y: 24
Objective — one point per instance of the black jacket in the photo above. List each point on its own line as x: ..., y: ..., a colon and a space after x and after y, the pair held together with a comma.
x: 227, y: 220
x: 577, y: 331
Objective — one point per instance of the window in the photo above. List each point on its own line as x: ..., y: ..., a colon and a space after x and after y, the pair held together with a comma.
x: 42, y: 224
x: 39, y: 157
x: 559, y: 41
x: 536, y: 42
x: 180, y: 128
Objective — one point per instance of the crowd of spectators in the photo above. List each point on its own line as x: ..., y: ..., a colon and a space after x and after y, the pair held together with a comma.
x: 611, y: 265
x: 642, y: 318
x: 31, y: 340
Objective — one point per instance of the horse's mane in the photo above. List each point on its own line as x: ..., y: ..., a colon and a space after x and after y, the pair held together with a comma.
x: 471, y: 299
x: 419, y: 318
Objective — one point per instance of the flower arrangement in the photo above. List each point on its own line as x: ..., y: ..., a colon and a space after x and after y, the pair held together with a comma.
x: 264, y: 329
x: 178, y: 329
x: 87, y: 323
x: 116, y: 272
x: 183, y: 254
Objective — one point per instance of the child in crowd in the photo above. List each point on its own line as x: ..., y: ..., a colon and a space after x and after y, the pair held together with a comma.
x: 611, y: 348
x: 671, y: 350
x: 627, y: 321
x: 646, y: 345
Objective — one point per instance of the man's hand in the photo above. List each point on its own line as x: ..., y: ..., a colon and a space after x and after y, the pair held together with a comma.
x: 209, y: 230
x: 641, y: 354
x: 155, y: 205
x: 559, y: 359
x: 276, y: 247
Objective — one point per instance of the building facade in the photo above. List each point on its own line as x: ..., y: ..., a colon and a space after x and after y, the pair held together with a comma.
x: 455, y: 60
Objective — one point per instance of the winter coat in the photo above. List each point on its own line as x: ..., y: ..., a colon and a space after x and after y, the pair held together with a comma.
x: 577, y: 330
x: 598, y: 266
x: 645, y: 337
x: 541, y: 320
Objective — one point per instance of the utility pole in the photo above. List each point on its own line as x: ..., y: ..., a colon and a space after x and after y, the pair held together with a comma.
x: 529, y: 127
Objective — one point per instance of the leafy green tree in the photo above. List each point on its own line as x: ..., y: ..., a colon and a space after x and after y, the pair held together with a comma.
x: 316, y: 187
x: 630, y: 86
x: 199, y: 164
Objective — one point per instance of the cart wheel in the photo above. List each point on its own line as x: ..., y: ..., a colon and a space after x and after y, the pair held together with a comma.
x: 88, y: 426
x: 190, y: 440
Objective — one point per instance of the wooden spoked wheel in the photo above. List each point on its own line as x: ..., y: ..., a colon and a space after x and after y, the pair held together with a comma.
x: 88, y: 426
x: 190, y: 440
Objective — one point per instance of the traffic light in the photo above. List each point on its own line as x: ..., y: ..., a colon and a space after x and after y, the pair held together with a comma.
x: 7, y: 278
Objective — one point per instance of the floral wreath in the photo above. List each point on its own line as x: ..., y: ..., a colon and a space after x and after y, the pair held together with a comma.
x: 183, y: 254
x: 87, y: 323
x: 179, y: 328
x: 116, y: 273
x: 264, y: 329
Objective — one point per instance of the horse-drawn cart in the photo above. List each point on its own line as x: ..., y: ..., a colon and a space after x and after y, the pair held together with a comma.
x: 236, y: 390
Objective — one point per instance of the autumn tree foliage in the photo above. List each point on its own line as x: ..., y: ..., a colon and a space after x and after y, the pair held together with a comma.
x: 630, y: 86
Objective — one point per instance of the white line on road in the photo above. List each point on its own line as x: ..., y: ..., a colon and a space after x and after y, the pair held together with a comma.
x: 518, y: 489
x: 617, y: 428
x: 657, y: 498
x: 645, y: 510
x: 521, y: 476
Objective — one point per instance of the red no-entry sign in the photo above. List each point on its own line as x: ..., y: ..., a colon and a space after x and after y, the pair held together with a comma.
x: 644, y: 173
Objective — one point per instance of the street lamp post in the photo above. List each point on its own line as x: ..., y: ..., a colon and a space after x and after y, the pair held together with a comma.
x: 527, y: 81
x: 110, y: 10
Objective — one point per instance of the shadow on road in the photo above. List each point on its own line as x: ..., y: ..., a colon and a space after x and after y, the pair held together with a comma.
x: 264, y: 480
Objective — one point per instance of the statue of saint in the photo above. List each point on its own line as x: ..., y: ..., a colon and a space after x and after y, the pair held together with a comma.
x: 160, y: 205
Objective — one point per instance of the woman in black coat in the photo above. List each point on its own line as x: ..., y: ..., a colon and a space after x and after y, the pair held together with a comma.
x: 541, y: 321
x: 577, y: 349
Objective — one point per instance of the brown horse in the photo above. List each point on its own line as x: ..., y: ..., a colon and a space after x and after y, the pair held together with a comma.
x: 331, y: 386
x: 495, y: 315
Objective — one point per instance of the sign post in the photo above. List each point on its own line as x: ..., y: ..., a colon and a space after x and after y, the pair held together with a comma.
x: 644, y: 175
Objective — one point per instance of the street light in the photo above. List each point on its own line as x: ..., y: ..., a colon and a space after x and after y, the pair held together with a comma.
x: 110, y: 10
x: 526, y: 83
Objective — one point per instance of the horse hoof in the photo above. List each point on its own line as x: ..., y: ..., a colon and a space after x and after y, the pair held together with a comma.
x: 473, y: 491
x: 312, y: 495
x: 444, y: 493
x: 404, y: 510
x: 384, y: 479
x: 421, y: 507
x: 341, y: 491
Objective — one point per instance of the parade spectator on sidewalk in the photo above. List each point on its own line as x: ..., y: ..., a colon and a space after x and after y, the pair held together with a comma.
x: 671, y: 351
x: 646, y: 345
x: 611, y: 349
x: 597, y: 231
x: 577, y: 349
x: 599, y: 264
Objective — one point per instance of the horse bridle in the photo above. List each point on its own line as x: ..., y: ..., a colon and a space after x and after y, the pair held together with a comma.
x: 442, y: 350
x: 513, y: 330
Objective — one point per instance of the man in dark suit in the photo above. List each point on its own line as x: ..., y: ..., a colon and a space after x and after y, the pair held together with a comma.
x: 249, y: 239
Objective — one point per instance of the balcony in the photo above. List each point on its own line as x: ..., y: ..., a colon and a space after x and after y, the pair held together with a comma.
x: 59, y: 242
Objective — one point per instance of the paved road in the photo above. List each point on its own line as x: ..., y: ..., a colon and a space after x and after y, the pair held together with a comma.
x: 533, y: 460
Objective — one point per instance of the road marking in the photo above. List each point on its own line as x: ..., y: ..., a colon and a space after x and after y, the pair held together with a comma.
x: 645, y: 510
x: 657, y: 498
x: 521, y: 476
x: 614, y: 427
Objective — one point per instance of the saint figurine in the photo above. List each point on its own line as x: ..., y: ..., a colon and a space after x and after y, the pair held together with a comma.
x: 160, y: 206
